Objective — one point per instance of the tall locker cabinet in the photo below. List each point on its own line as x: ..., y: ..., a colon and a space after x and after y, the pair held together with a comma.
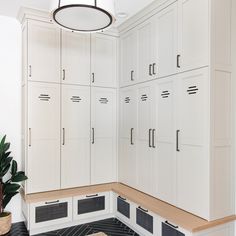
x: 75, y: 129
x: 103, y: 135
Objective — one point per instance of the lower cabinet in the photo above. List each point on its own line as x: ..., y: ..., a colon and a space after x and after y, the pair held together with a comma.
x: 170, y: 230
x: 54, y: 212
x: 90, y: 206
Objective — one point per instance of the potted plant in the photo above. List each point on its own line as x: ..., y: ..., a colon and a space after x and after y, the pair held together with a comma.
x: 10, y: 178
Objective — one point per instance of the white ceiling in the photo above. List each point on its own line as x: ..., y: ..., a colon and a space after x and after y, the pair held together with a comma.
x: 130, y: 7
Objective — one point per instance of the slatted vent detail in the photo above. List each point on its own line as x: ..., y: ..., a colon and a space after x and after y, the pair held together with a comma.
x: 75, y: 99
x: 127, y: 100
x: 103, y: 100
x: 44, y: 97
x: 165, y: 94
x: 192, y: 90
x: 123, y: 207
x: 144, y: 220
x: 144, y: 97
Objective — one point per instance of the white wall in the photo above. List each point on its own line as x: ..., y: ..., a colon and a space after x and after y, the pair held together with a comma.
x: 10, y: 94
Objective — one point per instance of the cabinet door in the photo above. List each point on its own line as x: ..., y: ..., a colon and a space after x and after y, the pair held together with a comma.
x: 75, y: 58
x: 75, y: 149
x: 127, y: 159
x: 167, y: 40
x: 193, y: 151
x: 165, y: 155
x: 104, y: 60
x: 43, y: 52
x: 146, y: 48
x: 193, y: 34
x: 129, y: 58
x: 145, y: 148
x: 103, y: 156
x: 43, y: 166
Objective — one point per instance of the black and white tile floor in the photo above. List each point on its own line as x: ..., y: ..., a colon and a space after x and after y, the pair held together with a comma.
x: 111, y: 227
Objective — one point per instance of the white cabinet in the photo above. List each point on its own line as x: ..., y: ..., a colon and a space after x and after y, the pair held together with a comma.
x: 75, y: 56
x: 103, y: 60
x: 43, y: 52
x: 128, y: 130
x: 145, y: 138
x: 146, y: 51
x: 193, y: 143
x: 103, y: 137
x: 75, y: 144
x: 166, y: 30
x: 194, y: 33
x: 43, y: 158
x: 128, y: 61
x: 165, y: 155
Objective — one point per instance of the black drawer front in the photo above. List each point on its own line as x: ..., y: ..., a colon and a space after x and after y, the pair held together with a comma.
x: 91, y: 205
x: 169, y: 231
x: 144, y: 220
x: 51, y: 212
x: 123, y: 207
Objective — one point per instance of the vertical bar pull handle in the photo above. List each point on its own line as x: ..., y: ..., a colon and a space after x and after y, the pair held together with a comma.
x: 149, y: 138
x: 153, y: 138
x: 178, y: 61
x: 131, y: 136
x: 30, y: 137
x: 30, y: 71
x: 93, y: 77
x: 63, y: 74
x: 93, y: 141
x: 150, y: 69
x: 132, y: 75
x: 153, y: 68
x: 63, y: 136
x: 177, y: 140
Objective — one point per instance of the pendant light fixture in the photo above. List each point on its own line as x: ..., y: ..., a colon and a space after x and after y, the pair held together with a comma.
x: 84, y: 15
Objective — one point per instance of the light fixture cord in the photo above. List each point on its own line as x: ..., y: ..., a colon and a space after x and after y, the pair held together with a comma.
x: 95, y: 3
x: 59, y: 3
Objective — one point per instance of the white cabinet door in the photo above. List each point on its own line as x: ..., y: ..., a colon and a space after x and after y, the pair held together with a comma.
x: 103, y: 137
x: 75, y: 58
x: 193, y: 138
x: 43, y: 52
x: 75, y: 125
x: 145, y: 144
x: 43, y: 166
x: 165, y: 155
x: 146, y: 51
x: 194, y: 20
x: 166, y: 24
x: 129, y: 58
x: 127, y: 160
x: 104, y: 60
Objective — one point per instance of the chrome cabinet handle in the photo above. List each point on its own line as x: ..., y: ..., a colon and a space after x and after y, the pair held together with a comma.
x: 131, y: 136
x: 153, y: 68
x: 63, y: 136
x: 153, y: 138
x: 48, y: 203
x: 149, y: 137
x: 30, y: 137
x: 178, y: 61
x: 63, y: 74
x: 177, y: 140
x: 150, y: 69
x: 30, y: 71
x: 93, y: 141
x: 173, y: 226
x: 132, y: 75
x: 93, y: 77
x: 94, y: 195
x: 144, y: 210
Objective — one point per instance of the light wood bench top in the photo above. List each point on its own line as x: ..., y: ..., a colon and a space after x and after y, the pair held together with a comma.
x: 175, y: 215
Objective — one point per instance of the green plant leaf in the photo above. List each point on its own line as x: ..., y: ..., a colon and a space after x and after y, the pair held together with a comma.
x: 19, y: 177
x: 3, y: 140
x: 10, y: 188
x: 7, y: 198
x: 14, y: 167
x: 4, y: 170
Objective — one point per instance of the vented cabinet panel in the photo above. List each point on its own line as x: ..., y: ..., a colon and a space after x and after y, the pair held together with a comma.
x: 123, y: 207
x: 144, y: 220
x: 91, y: 205
x: 51, y: 212
x: 169, y: 231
